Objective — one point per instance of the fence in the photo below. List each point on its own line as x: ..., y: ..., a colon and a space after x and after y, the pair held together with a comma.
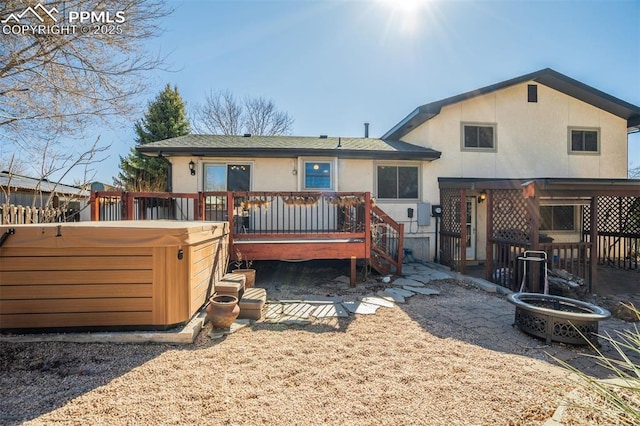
x: 16, y: 215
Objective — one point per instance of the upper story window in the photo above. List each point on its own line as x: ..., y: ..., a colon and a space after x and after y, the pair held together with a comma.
x: 584, y: 141
x: 397, y: 182
x: 478, y: 137
x: 317, y: 175
x: 227, y: 177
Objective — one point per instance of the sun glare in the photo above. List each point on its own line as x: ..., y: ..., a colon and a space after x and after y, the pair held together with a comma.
x: 405, y: 14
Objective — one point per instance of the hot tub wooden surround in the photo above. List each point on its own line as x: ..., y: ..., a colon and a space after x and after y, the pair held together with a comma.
x: 108, y: 275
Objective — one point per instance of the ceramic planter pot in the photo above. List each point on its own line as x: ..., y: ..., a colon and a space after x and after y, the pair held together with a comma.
x: 222, y: 310
x: 250, y: 275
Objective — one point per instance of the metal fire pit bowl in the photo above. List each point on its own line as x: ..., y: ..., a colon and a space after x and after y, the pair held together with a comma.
x: 556, y: 318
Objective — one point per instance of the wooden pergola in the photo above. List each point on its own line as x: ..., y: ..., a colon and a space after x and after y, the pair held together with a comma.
x: 513, y: 224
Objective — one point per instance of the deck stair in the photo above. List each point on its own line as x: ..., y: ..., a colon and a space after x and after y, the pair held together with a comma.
x: 387, y: 241
x: 231, y: 285
x: 251, y: 300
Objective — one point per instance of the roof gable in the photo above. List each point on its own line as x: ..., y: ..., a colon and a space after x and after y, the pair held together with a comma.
x: 287, y: 146
x: 547, y: 77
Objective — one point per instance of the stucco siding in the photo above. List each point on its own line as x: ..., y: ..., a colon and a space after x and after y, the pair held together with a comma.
x: 355, y: 175
x: 531, y: 138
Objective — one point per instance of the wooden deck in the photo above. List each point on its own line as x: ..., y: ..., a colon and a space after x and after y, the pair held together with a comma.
x: 276, y: 225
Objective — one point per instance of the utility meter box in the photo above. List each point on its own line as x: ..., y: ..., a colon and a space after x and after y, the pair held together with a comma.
x: 424, y: 214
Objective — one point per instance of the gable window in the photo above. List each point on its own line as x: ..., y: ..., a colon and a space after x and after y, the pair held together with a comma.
x: 557, y: 218
x: 479, y: 137
x: 397, y: 182
x: 317, y: 175
x: 227, y: 177
x: 584, y: 140
x: 532, y: 93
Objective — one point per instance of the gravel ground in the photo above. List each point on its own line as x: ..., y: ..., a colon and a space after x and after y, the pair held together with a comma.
x: 399, y: 366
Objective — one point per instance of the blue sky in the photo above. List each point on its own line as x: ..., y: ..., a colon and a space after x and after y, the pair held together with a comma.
x: 333, y: 65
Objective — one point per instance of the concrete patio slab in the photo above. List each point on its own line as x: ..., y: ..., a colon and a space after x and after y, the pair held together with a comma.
x: 180, y: 335
x: 217, y: 333
x: 406, y: 281
x: 361, y: 308
x: 421, y: 290
x: 385, y: 303
x: 399, y: 291
x: 397, y: 298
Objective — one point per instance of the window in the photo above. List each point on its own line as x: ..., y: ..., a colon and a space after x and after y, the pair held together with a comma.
x: 398, y: 182
x: 532, y: 93
x: 584, y: 140
x: 479, y: 137
x: 227, y: 177
x: 557, y: 218
x: 317, y: 175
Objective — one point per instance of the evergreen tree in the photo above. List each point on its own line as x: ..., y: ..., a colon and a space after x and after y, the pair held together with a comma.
x: 165, y: 118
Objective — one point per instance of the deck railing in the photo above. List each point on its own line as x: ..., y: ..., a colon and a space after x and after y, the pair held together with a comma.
x: 266, y: 215
x: 277, y: 213
x: 387, y: 238
x: 450, y: 250
x: 621, y: 251
x: 572, y: 257
x: 504, y: 267
x: 111, y: 205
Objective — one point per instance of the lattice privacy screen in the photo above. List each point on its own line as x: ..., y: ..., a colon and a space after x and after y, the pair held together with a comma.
x: 450, y: 200
x: 511, y: 219
x: 616, y: 216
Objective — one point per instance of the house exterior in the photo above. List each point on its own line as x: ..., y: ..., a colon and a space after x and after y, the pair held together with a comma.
x: 540, y: 125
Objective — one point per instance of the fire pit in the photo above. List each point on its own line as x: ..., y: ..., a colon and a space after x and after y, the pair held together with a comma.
x: 556, y: 318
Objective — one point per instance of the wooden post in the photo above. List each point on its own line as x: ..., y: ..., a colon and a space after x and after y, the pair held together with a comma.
x: 232, y: 228
x: 199, y: 201
x: 127, y: 207
x: 463, y: 231
x: 533, y: 208
x: 94, y: 201
x: 352, y: 278
x: 488, y: 262
x: 593, y: 249
x: 367, y: 224
x: 400, y: 248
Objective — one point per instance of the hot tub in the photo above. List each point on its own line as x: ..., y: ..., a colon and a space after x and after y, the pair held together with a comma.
x: 121, y: 275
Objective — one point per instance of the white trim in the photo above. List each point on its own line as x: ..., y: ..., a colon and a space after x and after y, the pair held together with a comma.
x: 418, y: 165
x: 226, y: 164
x: 333, y: 172
x: 570, y: 150
x: 494, y: 126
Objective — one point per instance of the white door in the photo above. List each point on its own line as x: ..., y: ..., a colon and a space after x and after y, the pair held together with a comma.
x: 471, y: 228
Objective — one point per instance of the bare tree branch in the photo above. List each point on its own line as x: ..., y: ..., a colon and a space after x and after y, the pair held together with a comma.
x: 222, y: 114
x: 62, y: 83
x: 262, y: 118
